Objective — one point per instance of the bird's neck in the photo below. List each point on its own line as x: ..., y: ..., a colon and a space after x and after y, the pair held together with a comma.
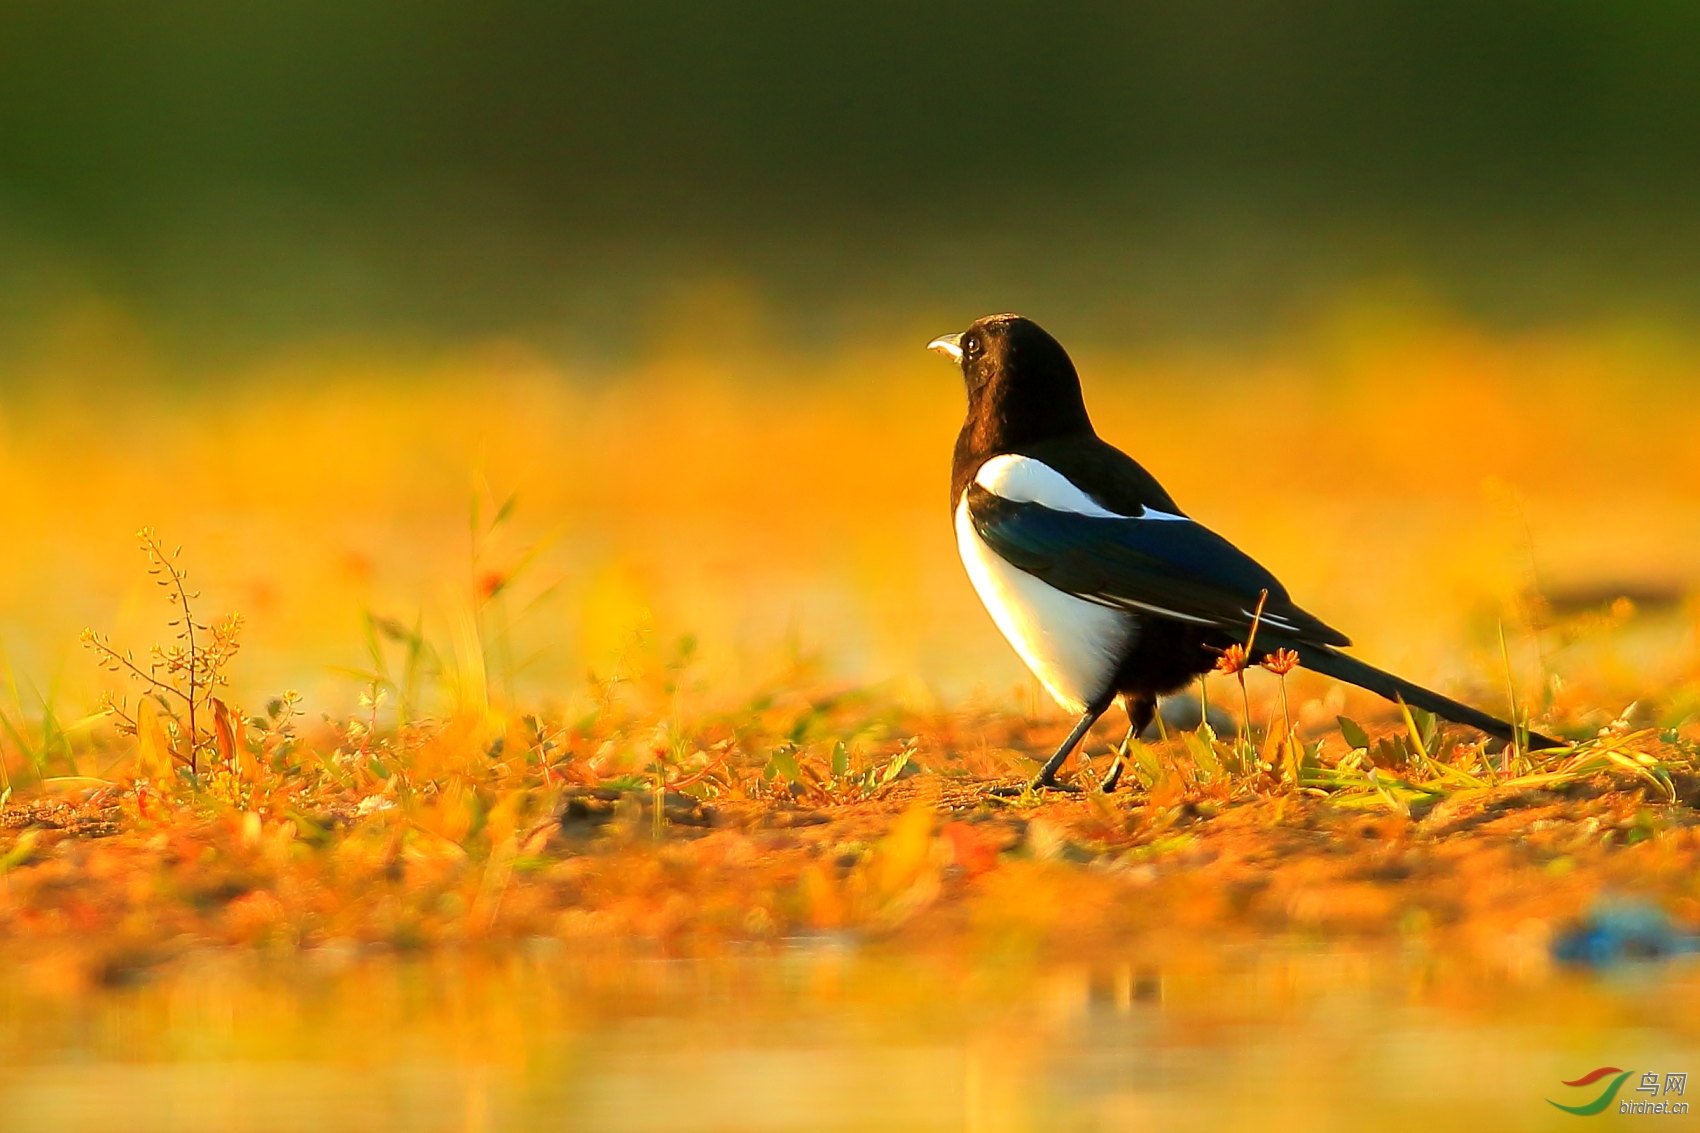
x: 1001, y: 420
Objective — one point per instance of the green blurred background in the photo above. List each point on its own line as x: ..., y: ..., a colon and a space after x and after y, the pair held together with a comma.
x: 238, y: 175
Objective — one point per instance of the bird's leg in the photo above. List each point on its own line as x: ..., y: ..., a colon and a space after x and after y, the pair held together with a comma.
x: 1141, y: 710
x: 1047, y: 776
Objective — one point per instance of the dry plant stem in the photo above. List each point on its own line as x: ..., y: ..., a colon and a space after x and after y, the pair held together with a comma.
x: 191, y: 673
x: 163, y: 562
x: 1519, y: 735
x: 123, y: 661
x: 1256, y: 617
x: 371, y: 699
x: 1251, y: 639
x: 1289, y: 741
x: 1245, y: 704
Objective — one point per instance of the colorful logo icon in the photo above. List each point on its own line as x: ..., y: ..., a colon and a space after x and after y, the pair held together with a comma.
x: 1674, y: 1083
x: 1606, y: 1095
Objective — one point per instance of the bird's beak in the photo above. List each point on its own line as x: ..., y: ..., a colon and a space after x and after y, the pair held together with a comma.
x: 950, y: 344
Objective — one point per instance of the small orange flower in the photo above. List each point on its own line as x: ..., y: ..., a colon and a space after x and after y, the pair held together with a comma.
x: 1281, y: 662
x: 1232, y: 660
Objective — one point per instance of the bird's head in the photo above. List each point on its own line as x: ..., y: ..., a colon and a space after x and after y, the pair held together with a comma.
x: 1000, y: 349
x: 1021, y: 384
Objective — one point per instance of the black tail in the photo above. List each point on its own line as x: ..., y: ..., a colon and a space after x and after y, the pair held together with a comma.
x: 1326, y: 660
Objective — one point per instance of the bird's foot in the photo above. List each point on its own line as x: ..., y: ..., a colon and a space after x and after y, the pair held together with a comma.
x: 1113, y: 777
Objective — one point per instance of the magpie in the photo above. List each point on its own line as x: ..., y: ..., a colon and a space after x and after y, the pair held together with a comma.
x: 1103, y: 585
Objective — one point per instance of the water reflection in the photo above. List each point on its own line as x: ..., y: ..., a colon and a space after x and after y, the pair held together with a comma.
x: 826, y: 1038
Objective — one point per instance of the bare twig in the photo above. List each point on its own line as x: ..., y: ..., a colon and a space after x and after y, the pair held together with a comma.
x: 177, y: 580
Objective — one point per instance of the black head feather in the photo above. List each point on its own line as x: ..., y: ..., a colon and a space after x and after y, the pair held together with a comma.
x: 1022, y: 393
x: 1022, y: 387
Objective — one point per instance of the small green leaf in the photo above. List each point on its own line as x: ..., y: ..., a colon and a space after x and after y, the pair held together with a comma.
x: 21, y: 850
x: 783, y: 762
x: 1388, y: 751
x: 840, y: 760
x: 1145, y: 763
x: 1355, y: 736
x: 1428, y: 725
x: 1310, y: 764
x: 895, y: 767
x: 1203, y: 754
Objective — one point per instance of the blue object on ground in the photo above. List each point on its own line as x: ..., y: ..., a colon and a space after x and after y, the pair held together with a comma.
x: 1618, y: 930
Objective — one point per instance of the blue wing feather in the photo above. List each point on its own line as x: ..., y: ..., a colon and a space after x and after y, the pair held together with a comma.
x: 1168, y: 567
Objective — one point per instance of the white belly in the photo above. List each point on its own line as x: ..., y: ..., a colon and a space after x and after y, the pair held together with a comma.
x: 1073, y: 646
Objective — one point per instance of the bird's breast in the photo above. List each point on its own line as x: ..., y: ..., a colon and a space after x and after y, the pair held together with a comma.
x: 1073, y: 646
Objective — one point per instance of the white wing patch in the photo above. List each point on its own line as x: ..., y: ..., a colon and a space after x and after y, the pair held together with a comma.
x: 1023, y: 480
x: 1073, y: 646
x: 1153, y: 513
x: 1275, y: 620
x: 1176, y: 614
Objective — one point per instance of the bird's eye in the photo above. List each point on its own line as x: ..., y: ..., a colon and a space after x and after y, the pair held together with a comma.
x: 972, y: 346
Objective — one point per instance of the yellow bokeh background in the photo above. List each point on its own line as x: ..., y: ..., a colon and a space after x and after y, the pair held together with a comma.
x: 1411, y: 477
